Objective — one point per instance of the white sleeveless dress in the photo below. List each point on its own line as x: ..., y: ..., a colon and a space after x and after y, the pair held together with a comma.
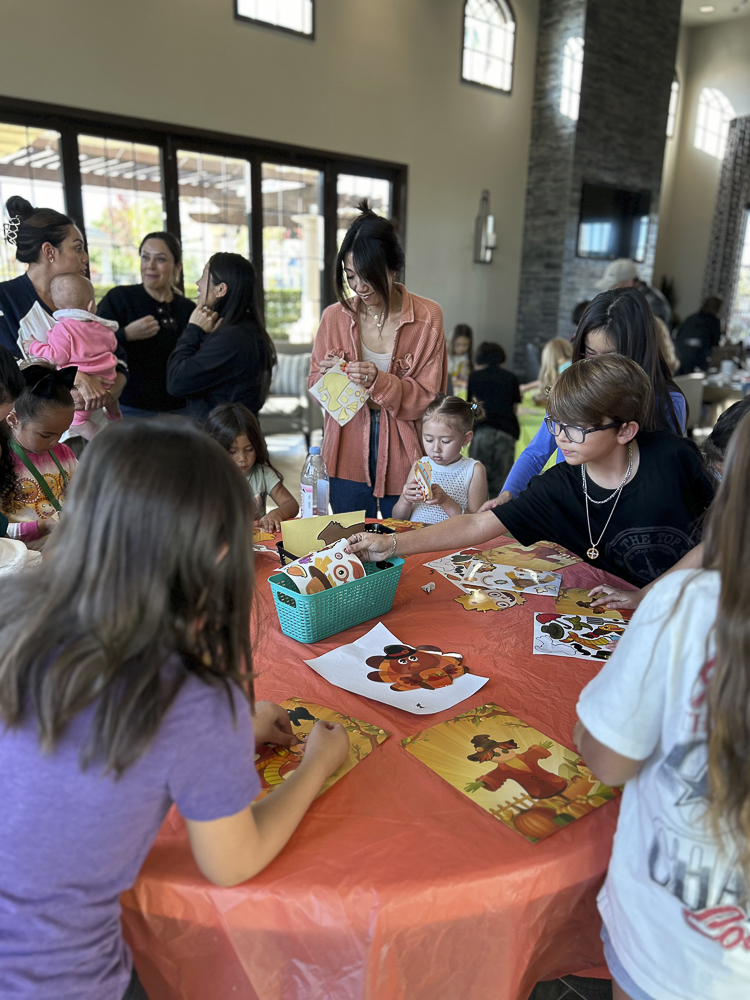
x: 455, y: 480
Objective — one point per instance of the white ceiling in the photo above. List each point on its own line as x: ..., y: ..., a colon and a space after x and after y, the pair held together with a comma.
x: 725, y: 11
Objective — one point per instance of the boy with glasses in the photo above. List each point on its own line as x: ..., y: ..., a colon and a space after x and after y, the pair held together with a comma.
x: 627, y: 500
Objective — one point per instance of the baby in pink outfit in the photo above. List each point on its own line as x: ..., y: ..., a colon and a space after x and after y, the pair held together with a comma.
x: 80, y: 338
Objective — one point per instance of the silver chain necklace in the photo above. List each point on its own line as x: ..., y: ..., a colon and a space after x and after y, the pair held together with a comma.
x: 378, y: 322
x: 593, y: 552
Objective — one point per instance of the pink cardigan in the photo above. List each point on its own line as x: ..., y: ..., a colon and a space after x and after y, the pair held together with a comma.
x: 417, y: 373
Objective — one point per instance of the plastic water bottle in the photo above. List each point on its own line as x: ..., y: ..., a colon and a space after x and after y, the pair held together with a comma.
x: 314, y: 485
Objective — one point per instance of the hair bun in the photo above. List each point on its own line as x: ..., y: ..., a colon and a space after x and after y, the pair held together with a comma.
x: 18, y: 206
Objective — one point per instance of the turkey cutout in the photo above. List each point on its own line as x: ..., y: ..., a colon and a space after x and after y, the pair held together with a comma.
x: 341, y: 398
x: 322, y: 570
x: 407, y: 668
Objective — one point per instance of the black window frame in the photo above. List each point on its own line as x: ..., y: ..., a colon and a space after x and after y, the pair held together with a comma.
x: 72, y: 122
x: 475, y: 83
x: 256, y: 21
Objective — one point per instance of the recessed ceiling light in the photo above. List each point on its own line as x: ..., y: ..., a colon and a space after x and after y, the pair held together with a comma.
x: 707, y: 9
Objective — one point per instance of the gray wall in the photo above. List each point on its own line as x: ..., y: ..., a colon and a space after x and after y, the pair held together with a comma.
x: 618, y: 140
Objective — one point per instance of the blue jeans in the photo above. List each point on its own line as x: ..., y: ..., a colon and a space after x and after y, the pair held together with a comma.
x: 347, y: 494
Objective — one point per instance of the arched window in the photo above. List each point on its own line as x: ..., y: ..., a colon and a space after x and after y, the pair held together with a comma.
x: 673, y: 99
x: 289, y: 15
x: 489, y: 34
x: 715, y: 112
x: 572, y: 71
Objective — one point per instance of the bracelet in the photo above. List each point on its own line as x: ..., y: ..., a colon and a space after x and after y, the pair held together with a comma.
x: 393, y: 550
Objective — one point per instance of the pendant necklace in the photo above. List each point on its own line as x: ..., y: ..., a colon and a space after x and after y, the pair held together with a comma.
x: 593, y: 552
x: 378, y: 322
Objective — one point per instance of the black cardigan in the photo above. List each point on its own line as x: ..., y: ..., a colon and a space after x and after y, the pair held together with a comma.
x: 147, y: 359
x: 226, y: 366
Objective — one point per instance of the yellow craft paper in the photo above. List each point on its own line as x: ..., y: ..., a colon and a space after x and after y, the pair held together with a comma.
x: 542, y: 557
x: 300, y: 535
x: 274, y: 763
x: 572, y: 601
x: 567, y: 789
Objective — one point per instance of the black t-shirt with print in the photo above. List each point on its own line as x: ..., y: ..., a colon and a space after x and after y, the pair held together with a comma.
x: 655, y: 523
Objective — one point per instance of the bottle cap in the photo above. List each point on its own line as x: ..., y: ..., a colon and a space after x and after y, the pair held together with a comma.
x: 315, y: 451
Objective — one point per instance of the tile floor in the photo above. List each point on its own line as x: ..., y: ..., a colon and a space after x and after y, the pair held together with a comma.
x: 573, y: 988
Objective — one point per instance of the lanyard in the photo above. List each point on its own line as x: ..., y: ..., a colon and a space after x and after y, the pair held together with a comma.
x: 43, y: 484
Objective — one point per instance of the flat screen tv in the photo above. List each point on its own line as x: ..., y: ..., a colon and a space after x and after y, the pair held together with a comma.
x: 614, y: 223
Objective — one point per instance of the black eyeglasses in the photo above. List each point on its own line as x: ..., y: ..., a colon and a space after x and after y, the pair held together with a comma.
x: 576, y: 435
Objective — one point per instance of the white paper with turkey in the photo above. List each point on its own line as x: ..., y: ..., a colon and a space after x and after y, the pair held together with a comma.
x: 346, y: 668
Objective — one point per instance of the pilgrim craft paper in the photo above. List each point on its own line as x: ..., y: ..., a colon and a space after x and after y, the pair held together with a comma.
x: 521, y: 777
x: 541, y: 556
x: 421, y: 679
x: 341, y: 398
x: 318, y: 571
x: 469, y: 570
x: 274, y: 763
x: 572, y: 601
x: 587, y: 637
x: 303, y: 535
x: 423, y: 476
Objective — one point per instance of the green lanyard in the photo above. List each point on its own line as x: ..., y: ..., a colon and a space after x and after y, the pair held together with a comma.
x: 43, y: 484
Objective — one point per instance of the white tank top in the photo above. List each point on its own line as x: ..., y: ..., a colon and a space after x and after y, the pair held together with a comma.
x: 381, y: 361
x: 455, y: 480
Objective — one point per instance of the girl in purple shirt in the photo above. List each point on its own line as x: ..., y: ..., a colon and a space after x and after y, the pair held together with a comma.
x: 126, y: 686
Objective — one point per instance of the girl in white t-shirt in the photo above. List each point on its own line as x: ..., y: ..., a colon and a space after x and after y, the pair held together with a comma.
x: 668, y: 715
x: 458, y: 484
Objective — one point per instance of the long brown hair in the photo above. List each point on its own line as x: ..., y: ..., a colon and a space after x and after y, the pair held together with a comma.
x: 148, y: 580
x: 727, y: 549
x: 228, y: 421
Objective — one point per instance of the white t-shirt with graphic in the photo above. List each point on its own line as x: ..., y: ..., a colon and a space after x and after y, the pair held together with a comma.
x: 672, y: 900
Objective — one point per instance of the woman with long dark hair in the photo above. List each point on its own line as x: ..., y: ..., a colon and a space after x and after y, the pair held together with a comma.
x: 225, y: 354
x: 619, y: 321
x: 126, y: 685
x: 151, y: 316
x: 394, y: 344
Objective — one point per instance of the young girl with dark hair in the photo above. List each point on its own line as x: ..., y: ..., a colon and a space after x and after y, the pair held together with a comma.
x: 126, y: 685
x: 51, y: 244
x: 43, y: 466
x: 668, y: 717
x: 460, y: 352
x: 458, y: 485
x: 619, y: 321
x: 394, y: 345
x: 238, y: 432
x: 151, y: 317
x: 225, y: 354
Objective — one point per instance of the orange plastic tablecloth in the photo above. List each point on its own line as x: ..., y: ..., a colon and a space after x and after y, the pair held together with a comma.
x: 395, y: 886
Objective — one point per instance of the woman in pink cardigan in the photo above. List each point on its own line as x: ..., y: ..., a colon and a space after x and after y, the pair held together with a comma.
x: 394, y: 344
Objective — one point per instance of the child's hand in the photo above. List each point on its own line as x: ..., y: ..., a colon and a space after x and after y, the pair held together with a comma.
x: 504, y: 497
x: 271, y: 724
x: 614, y: 599
x: 439, y: 496
x: 412, y: 492
x: 271, y: 521
x: 326, y: 747
x: 46, y: 526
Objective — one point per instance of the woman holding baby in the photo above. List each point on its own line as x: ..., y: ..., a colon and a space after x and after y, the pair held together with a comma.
x: 394, y: 347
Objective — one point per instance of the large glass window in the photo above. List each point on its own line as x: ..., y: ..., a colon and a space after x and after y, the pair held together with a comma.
x: 715, y: 112
x: 738, y: 327
x: 215, y: 210
x: 674, y: 98
x: 291, y: 15
x: 350, y: 190
x: 489, y: 34
x: 293, y: 250
x: 121, y: 184
x: 30, y: 167
x: 572, y: 73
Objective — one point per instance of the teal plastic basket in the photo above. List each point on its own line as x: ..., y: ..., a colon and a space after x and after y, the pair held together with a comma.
x: 310, y: 617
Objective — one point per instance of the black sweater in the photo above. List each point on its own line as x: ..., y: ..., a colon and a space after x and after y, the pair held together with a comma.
x: 226, y: 366
x: 147, y: 359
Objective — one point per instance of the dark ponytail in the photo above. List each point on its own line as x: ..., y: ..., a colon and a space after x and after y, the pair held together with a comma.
x: 36, y: 226
x: 376, y: 253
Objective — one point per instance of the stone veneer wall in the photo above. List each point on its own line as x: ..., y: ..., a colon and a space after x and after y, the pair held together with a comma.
x: 618, y: 140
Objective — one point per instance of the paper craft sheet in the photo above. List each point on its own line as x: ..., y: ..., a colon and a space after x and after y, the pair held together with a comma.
x: 274, y: 763
x: 470, y: 570
x: 330, y: 567
x: 587, y: 637
x: 301, y: 535
x: 423, y: 476
x: 572, y: 601
x: 542, y: 556
x: 529, y: 782
x: 338, y: 395
x: 422, y: 679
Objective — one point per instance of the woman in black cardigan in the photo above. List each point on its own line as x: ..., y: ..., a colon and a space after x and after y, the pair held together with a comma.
x: 225, y: 354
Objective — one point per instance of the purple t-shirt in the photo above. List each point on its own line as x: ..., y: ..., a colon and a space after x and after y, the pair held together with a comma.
x: 71, y: 841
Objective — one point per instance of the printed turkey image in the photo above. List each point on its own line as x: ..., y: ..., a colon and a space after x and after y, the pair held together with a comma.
x: 542, y: 556
x: 587, y: 637
x: 274, y: 763
x: 521, y: 777
x: 417, y: 677
x: 470, y: 569
x: 338, y: 395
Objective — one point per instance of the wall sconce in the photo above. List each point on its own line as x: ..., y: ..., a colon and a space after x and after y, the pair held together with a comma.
x: 485, y: 237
